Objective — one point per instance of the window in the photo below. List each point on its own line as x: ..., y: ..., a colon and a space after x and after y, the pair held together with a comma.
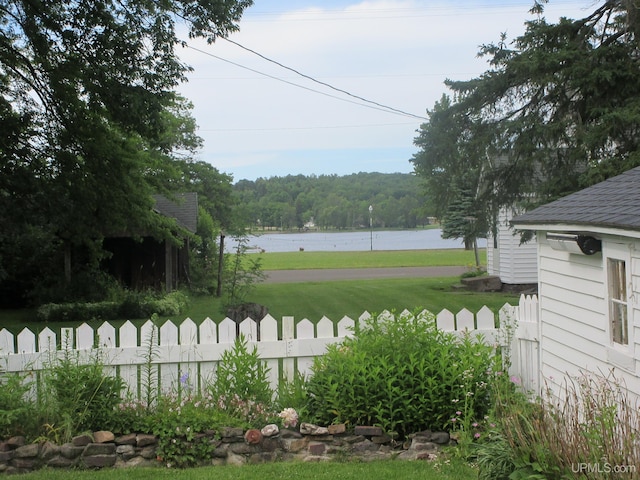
x: 618, y: 315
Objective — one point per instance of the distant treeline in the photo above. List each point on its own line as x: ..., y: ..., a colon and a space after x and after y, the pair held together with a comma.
x: 331, y: 201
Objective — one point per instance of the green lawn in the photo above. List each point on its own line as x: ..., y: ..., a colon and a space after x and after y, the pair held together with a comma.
x: 455, y: 470
x: 313, y: 300
x: 394, y: 258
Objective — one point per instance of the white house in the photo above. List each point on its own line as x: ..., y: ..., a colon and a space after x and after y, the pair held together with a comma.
x: 514, y: 262
x: 589, y: 281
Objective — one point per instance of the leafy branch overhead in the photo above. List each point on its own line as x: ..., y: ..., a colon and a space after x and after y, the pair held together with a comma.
x: 92, y: 125
x: 557, y: 110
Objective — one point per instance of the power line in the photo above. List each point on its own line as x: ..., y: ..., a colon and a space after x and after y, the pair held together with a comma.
x: 402, y: 112
x: 380, y: 107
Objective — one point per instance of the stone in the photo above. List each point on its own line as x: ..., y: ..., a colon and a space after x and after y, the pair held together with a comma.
x: 25, y: 463
x: 99, y: 461
x: 270, y: 430
x: 60, y: 462
x: 270, y: 444
x: 243, y: 448
x: 49, y: 450
x: 418, y: 445
x: 6, y: 456
x: 337, y: 429
x: 82, y: 440
x: 27, y: 451
x: 294, y: 445
x: 148, y: 453
x: 71, y: 451
x: 368, y: 431
x: 483, y: 283
x: 381, y: 439
x: 352, y: 439
x: 233, y: 459
x: 4, y: 447
x: 231, y: 432
x: 99, y: 449
x: 253, y: 436
x: 365, y: 446
x: 127, y: 452
x: 311, y: 429
x: 15, y: 442
x: 317, y: 448
x: 103, y: 436
x: 138, y: 462
x: 262, y: 457
x: 144, y: 440
x: 441, y: 438
x: 286, y: 433
x: 129, y: 439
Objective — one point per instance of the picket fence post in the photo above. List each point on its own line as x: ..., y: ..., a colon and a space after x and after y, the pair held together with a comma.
x: 186, y: 355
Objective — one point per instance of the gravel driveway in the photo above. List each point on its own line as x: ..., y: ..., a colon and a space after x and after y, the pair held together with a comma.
x: 327, y: 275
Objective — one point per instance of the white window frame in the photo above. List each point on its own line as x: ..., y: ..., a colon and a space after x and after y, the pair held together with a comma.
x: 621, y: 354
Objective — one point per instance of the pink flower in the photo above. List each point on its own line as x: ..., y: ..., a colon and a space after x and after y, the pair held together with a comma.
x: 289, y: 417
x: 476, y: 435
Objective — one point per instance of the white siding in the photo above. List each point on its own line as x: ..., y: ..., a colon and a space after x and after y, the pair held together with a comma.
x: 514, y: 263
x: 573, y: 314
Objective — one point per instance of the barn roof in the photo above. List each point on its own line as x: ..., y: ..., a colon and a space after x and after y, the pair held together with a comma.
x: 613, y: 203
x: 181, y: 206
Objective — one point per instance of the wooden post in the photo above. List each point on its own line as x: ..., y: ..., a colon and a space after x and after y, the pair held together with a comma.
x: 220, y: 265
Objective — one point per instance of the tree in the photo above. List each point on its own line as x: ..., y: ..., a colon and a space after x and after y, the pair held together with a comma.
x: 91, y: 124
x: 558, y: 110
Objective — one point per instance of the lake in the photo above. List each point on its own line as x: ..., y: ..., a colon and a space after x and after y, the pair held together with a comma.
x: 361, y: 240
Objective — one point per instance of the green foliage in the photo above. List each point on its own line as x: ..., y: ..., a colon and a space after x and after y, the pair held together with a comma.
x: 589, y: 421
x: 132, y: 305
x: 556, y: 111
x: 332, y: 201
x: 16, y: 411
x: 179, y: 423
x: 105, y: 134
x: 79, y: 397
x: 241, y: 273
x: 403, y: 374
x: 241, y: 373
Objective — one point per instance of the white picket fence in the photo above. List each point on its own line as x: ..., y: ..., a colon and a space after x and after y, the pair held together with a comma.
x: 190, y: 352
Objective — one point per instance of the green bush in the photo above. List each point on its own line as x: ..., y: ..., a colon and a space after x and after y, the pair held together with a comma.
x: 403, y: 374
x: 16, y: 411
x: 77, y: 397
x: 131, y: 305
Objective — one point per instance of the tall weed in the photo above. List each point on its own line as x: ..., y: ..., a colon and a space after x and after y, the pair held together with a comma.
x: 588, y: 427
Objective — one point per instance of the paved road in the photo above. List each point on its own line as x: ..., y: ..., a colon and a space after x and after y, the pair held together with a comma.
x: 325, y: 275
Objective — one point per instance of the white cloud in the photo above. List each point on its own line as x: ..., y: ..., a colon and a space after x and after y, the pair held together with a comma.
x: 397, y: 53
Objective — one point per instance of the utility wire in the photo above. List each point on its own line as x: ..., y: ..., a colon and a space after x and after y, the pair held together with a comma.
x: 386, y: 107
x: 380, y: 107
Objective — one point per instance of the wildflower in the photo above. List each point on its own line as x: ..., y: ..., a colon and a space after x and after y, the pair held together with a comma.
x: 458, y: 412
x: 476, y: 435
x: 474, y: 424
x: 515, y: 379
x: 289, y: 417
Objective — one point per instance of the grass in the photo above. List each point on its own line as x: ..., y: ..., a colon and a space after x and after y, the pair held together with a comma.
x: 313, y: 300
x: 455, y: 470
x: 375, y: 259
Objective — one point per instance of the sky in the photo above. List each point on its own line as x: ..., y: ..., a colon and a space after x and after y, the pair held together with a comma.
x: 368, y: 71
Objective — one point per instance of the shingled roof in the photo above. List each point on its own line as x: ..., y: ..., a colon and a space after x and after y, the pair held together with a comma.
x: 614, y: 203
x: 182, y: 206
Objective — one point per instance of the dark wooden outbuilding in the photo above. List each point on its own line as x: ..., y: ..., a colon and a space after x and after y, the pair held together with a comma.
x: 150, y: 263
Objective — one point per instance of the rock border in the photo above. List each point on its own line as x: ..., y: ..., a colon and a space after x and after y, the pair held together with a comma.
x: 233, y: 446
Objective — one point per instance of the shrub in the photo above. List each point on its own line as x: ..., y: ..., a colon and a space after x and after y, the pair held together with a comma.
x: 79, y: 397
x: 16, y: 411
x: 403, y: 374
